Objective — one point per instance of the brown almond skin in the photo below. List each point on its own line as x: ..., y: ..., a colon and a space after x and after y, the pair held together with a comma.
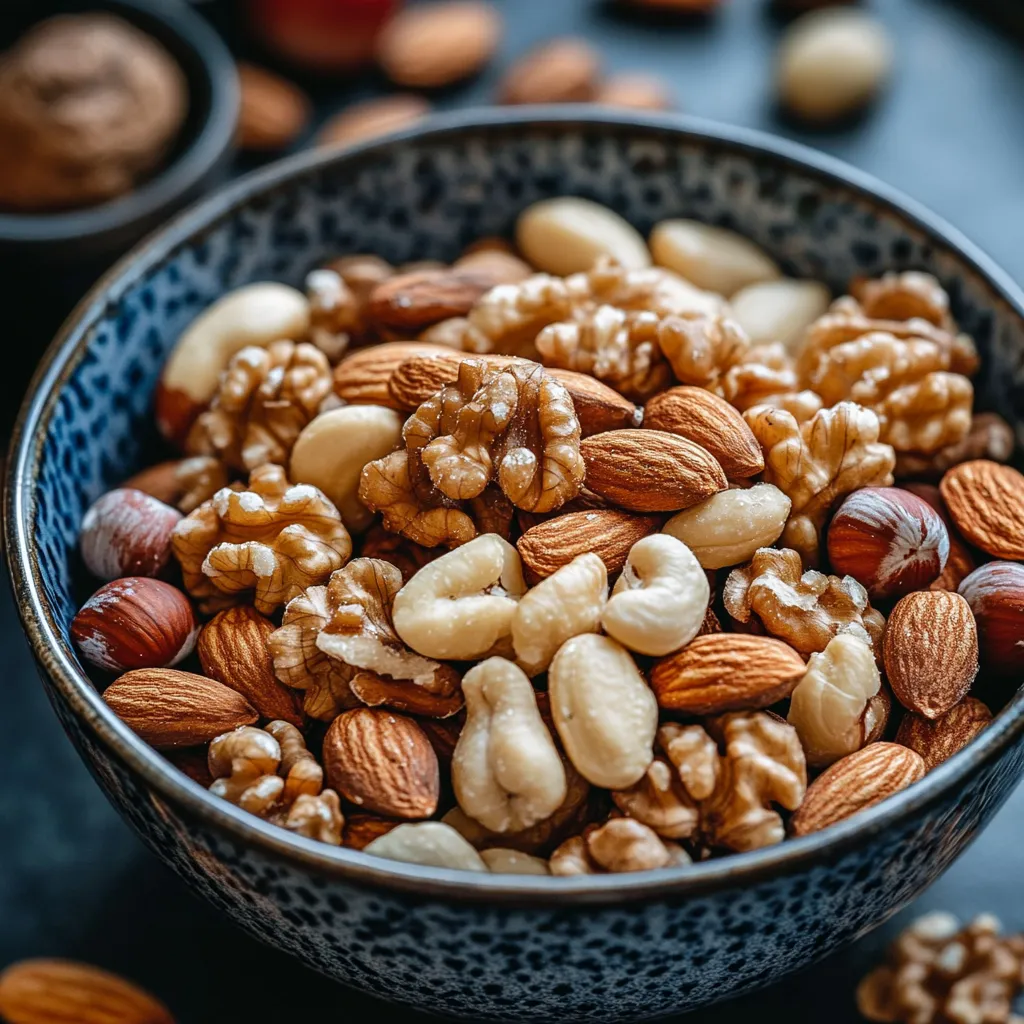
x: 363, y: 377
x: 650, y: 470
x: 562, y: 71
x: 718, y: 672
x: 609, y: 533
x: 383, y: 763
x: 274, y: 111
x: 53, y: 991
x: 709, y: 421
x: 361, y: 830
x: 930, y: 651
x: 421, y: 377
x: 855, y: 782
x: 403, y: 695
x: 995, y: 592
x: 233, y: 649
x: 939, y: 740
x: 986, y: 501
x: 599, y: 408
x: 168, y: 708
x: 417, y: 300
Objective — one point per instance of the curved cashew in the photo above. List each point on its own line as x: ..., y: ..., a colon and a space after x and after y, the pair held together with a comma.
x: 659, y: 601
x: 506, y: 771
x: 501, y: 861
x: 427, y: 842
x: 460, y: 605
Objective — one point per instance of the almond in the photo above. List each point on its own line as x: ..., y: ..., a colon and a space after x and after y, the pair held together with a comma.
x: 363, y: 376
x: 931, y: 651
x: 856, y: 782
x: 411, y: 302
x: 609, y: 533
x: 986, y: 501
x: 383, y: 763
x: 372, y: 118
x: 233, y: 650
x: 709, y: 421
x: 598, y: 407
x: 650, y: 470
x: 274, y: 111
x: 719, y: 672
x: 421, y: 377
x: 403, y: 695
x: 169, y: 708
x: 361, y: 830
x: 937, y: 741
x: 48, y: 991
x: 561, y: 71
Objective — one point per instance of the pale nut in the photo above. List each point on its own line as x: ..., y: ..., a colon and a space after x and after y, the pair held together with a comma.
x: 659, y: 601
x: 331, y: 452
x: 430, y: 843
x: 460, y: 606
x: 136, y: 622
x: 832, y: 63
x: 995, y: 593
x: 779, y: 310
x: 567, y: 235
x: 506, y: 770
x: 937, y: 741
x: 561, y: 71
x: 635, y: 91
x: 569, y: 602
x: 829, y: 708
x: 729, y: 527
x: 500, y: 861
x: 931, y: 651
x: 603, y: 709
x: 127, y: 533
x: 710, y: 257
x: 986, y: 501
x: 256, y: 314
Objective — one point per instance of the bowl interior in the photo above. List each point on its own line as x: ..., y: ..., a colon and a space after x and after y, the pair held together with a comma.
x: 426, y: 195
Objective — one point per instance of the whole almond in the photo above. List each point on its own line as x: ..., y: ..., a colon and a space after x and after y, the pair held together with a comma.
x: 986, y: 501
x: 372, y: 118
x: 931, y: 651
x: 273, y: 112
x: 233, y: 650
x: 421, y: 377
x: 609, y: 533
x: 650, y: 470
x: 52, y: 991
x: 561, y: 71
x: 855, y: 782
x: 169, y: 708
x: 711, y: 422
x: 718, y: 672
x: 383, y: 763
x: 411, y: 302
x: 363, y: 376
x: 937, y: 741
x: 436, y: 44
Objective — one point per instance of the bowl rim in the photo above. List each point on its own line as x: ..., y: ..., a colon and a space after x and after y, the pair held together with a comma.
x: 213, y: 139
x: 56, y: 658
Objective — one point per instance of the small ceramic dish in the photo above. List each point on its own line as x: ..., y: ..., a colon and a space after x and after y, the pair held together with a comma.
x: 596, y: 948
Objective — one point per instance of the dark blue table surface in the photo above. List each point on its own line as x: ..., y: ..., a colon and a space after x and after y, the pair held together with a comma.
x: 74, y: 881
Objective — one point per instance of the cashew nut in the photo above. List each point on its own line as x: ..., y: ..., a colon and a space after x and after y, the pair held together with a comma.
x: 605, y: 712
x: 511, y: 862
x: 506, y: 771
x: 567, y: 603
x: 427, y: 842
x: 659, y: 601
x: 331, y: 452
x: 779, y: 310
x: 460, y: 606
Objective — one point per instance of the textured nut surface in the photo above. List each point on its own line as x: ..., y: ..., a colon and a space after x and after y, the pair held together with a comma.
x: 986, y: 501
x: 274, y: 111
x: 460, y: 606
x: 184, y: 483
x: 713, y: 258
x: 567, y: 235
x: 726, y: 672
x: 598, y: 407
x: 410, y: 302
x: 331, y: 452
x: 931, y: 651
x: 44, y: 991
x: 420, y: 378
x: 779, y: 310
x: 650, y: 470
x: 560, y: 71
x: 855, y: 783
x: 605, y: 712
x: 990, y: 437
x: 704, y: 418
x: 569, y: 602
x: 437, y: 44
x: 830, y: 706
x: 659, y: 601
x: 995, y: 592
x: 383, y: 763
x: 506, y: 771
x: 363, y: 377
x: 624, y: 844
x: 730, y: 526
x: 127, y: 533
x: 432, y: 843
x: 169, y: 708
x: 373, y: 117
x: 937, y: 740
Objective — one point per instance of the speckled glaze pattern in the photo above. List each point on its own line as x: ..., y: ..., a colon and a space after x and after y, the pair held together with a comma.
x: 539, y: 952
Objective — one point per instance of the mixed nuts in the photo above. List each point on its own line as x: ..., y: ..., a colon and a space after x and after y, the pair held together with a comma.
x: 581, y: 557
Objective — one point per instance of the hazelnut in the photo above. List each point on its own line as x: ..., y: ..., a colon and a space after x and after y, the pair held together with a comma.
x: 135, y: 622
x: 995, y: 592
x: 889, y: 540
x: 127, y: 533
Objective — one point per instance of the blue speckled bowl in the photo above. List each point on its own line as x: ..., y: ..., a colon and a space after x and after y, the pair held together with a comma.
x: 607, y: 948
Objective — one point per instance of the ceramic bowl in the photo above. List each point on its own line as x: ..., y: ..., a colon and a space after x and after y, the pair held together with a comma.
x: 600, y: 948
